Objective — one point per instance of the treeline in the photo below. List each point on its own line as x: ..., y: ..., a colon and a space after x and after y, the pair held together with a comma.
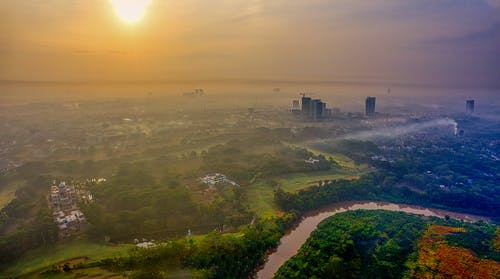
x: 377, y: 244
x: 26, y: 222
x: 381, y: 185
x: 216, y: 255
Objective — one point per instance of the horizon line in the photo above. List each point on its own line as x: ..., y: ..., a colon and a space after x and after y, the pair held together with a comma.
x: 385, y: 83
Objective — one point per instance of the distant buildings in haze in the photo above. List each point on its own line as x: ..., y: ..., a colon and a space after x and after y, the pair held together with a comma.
x: 470, y: 106
x: 306, y: 105
x: 311, y: 109
x: 315, y: 109
x: 370, y: 106
x: 198, y: 92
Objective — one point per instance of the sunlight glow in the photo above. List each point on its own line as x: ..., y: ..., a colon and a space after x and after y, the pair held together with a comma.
x: 131, y: 11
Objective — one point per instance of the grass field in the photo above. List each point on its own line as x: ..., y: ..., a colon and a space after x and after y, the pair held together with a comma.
x: 39, y: 259
x: 8, y: 191
x: 341, y: 159
x: 261, y: 200
x: 261, y: 197
x: 296, y: 182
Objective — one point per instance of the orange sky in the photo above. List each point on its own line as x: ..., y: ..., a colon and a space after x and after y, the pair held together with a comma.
x: 414, y: 41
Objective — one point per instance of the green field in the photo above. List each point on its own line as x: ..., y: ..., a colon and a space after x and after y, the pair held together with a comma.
x: 260, y: 194
x: 261, y: 200
x: 8, y: 191
x: 39, y: 259
x: 341, y: 159
x: 296, y: 182
x: 261, y: 197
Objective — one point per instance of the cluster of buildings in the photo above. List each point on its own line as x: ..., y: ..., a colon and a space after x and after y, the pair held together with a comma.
x: 315, y: 109
x: 68, y: 217
x: 311, y: 109
x: 217, y: 178
x: 198, y: 92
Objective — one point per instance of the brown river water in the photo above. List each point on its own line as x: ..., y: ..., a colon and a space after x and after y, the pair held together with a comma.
x: 293, y: 240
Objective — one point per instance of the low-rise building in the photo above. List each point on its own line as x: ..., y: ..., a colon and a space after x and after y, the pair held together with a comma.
x: 68, y: 217
x: 311, y: 161
x: 217, y: 178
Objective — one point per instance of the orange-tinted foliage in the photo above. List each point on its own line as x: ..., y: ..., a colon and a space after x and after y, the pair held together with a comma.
x: 496, y: 242
x: 436, y: 259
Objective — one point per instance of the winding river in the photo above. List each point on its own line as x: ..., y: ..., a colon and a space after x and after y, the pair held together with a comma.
x: 293, y: 240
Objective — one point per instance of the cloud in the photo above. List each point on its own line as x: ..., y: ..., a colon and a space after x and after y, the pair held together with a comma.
x: 403, y: 130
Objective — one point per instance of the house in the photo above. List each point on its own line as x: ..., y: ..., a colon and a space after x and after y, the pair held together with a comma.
x: 311, y: 161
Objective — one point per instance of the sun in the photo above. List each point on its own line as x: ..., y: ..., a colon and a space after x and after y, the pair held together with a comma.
x: 130, y: 11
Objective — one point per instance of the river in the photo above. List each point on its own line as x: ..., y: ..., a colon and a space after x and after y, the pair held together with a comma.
x: 293, y: 240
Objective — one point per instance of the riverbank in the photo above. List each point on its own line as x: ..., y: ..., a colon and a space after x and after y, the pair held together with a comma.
x: 293, y: 239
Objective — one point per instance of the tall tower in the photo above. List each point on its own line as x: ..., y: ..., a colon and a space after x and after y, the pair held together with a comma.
x: 370, y: 106
x: 470, y: 106
x: 316, y: 109
x: 306, y: 105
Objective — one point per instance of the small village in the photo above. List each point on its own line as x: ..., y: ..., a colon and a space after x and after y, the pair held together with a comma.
x: 67, y: 215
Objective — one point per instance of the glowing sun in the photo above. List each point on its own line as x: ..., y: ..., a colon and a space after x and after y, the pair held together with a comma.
x: 130, y: 11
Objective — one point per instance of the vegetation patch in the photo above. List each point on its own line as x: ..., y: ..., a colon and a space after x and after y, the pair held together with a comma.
x: 437, y: 259
x: 383, y: 244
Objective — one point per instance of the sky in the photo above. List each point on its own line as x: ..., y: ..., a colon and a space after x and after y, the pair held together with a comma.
x: 449, y: 43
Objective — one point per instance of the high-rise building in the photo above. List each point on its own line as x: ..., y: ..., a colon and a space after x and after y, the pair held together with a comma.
x: 306, y: 106
x: 370, y: 106
x: 470, y: 106
x: 316, y: 110
x: 312, y: 109
x: 324, y: 111
x: 295, y: 105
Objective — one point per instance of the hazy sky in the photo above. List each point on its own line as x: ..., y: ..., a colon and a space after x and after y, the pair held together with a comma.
x: 439, y: 42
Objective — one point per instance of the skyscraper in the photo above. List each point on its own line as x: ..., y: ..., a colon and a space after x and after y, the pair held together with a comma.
x: 312, y: 109
x: 370, y: 106
x: 316, y: 109
x: 470, y: 106
x: 306, y: 106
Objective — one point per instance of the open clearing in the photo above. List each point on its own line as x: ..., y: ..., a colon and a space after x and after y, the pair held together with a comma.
x: 8, y: 191
x: 44, y: 257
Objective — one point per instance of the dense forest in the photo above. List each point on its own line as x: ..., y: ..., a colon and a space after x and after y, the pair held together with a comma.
x: 443, y: 172
x: 382, y: 244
